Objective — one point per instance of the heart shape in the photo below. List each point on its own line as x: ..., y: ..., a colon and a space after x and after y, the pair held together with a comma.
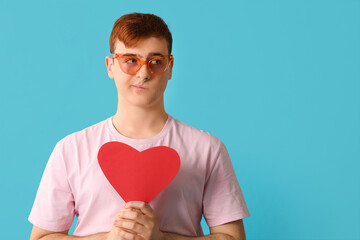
x: 138, y: 176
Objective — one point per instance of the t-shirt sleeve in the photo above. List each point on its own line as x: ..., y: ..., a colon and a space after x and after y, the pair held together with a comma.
x: 223, y: 200
x: 53, y: 209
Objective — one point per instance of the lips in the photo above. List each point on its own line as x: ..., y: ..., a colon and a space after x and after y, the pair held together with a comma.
x: 138, y: 87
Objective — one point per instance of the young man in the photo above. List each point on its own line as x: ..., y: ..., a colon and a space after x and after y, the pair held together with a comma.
x: 73, y: 183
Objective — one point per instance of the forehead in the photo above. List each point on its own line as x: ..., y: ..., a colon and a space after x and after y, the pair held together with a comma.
x: 143, y: 47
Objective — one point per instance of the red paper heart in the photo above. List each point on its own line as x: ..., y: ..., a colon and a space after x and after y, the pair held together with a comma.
x: 138, y: 176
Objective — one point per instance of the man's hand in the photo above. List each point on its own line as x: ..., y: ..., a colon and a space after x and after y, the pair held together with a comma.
x: 137, y: 221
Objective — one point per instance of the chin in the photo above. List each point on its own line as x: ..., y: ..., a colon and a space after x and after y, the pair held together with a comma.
x: 143, y: 103
x: 147, y: 102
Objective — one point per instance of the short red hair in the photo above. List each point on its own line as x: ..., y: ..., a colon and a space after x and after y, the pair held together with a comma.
x: 131, y: 28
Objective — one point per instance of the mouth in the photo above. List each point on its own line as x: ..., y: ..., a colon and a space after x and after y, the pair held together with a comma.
x: 139, y: 87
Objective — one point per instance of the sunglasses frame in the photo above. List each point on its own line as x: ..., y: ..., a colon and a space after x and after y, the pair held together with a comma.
x: 142, y: 62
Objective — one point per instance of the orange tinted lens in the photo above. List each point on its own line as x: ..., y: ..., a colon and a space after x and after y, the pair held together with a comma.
x: 129, y: 64
x: 158, y: 64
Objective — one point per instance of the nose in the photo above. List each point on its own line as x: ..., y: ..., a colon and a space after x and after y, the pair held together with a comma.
x: 143, y: 73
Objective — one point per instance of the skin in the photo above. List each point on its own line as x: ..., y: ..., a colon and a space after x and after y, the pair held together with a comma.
x: 140, y: 115
x: 138, y: 221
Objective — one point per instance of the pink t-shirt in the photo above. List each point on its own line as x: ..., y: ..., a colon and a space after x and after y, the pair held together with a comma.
x: 73, y: 183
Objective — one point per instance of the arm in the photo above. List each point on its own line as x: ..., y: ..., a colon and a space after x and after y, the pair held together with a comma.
x: 41, y: 234
x: 137, y: 221
x: 228, y: 231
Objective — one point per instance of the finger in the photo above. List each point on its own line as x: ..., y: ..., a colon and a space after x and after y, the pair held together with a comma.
x: 129, y: 208
x: 145, y: 220
x: 136, y: 210
x: 116, y: 232
x: 131, y: 226
x: 136, y: 215
x: 144, y: 207
x: 123, y: 213
x: 128, y: 235
x: 123, y: 229
x: 135, y: 204
x: 147, y: 210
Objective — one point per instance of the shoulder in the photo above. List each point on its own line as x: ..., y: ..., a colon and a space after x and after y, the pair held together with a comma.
x: 194, y: 134
x: 84, y: 135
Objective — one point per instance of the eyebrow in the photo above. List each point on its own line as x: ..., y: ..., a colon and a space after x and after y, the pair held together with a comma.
x: 149, y: 55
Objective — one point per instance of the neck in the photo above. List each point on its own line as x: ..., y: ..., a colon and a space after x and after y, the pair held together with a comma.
x: 138, y: 122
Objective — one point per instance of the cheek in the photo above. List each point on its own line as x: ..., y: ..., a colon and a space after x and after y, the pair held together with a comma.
x: 122, y: 82
x: 120, y: 76
x: 163, y: 84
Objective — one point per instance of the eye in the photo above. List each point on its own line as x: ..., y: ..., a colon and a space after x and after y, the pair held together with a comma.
x: 129, y: 60
x: 156, y: 61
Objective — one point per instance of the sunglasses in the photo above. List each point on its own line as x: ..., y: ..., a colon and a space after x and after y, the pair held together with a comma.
x: 130, y: 64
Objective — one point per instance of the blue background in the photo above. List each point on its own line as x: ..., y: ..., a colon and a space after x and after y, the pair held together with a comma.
x: 276, y: 81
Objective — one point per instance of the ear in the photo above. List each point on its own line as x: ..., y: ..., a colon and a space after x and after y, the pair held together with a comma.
x: 171, y: 67
x: 110, y: 66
